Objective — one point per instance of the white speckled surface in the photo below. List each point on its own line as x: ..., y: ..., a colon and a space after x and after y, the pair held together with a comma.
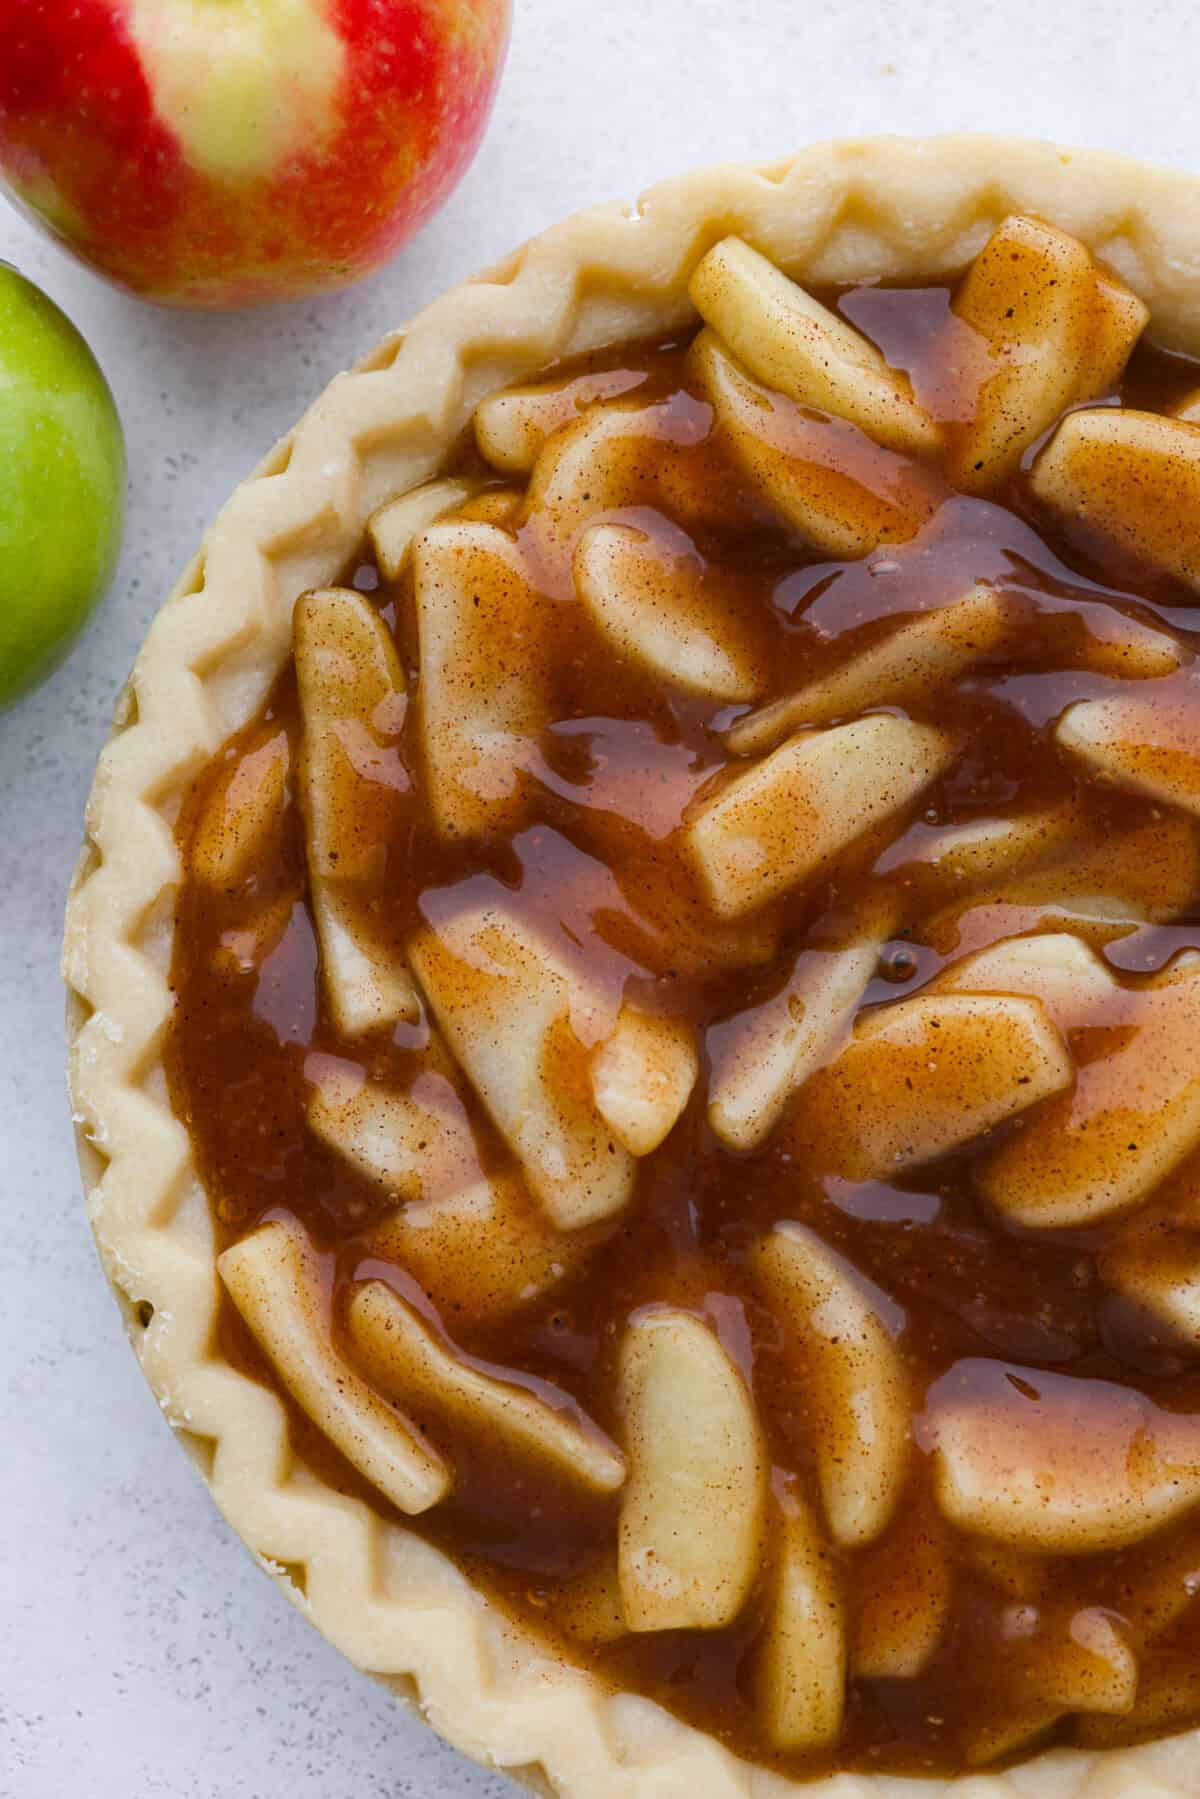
x: 140, y: 1651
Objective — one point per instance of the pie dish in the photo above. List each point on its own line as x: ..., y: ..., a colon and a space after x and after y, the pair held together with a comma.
x: 632, y: 998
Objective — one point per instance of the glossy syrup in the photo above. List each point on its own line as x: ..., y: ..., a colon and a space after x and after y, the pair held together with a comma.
x: 598, y: 860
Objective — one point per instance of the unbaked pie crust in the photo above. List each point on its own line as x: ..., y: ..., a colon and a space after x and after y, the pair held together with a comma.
x: 397, y: 1607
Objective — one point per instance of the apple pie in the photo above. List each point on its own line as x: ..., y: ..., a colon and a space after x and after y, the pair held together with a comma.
x: 636, y: 990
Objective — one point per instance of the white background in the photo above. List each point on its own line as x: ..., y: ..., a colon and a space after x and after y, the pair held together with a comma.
x: 141, y: 1654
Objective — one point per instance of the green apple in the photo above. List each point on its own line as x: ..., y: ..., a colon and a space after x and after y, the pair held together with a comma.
x: 62, y: 489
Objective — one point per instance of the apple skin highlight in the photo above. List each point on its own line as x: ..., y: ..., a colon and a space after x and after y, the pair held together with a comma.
x: 223, y: 153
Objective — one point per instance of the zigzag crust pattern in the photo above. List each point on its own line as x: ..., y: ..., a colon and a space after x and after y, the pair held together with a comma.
x: 395, y: 1607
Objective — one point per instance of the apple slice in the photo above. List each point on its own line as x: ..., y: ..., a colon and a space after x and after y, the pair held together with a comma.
x: 913, y: 661
x: 800, y: 1676
x: 797, y: 346
x: 484, y: 700
x: 840, y: 491
x: 1133, y: 1116
x: 1031, y: 295
x: 642, y: 1077
x: 243, y: 950
x: 1056, y: 1661
x: 1135, y: 477
x: 986, y: 849
x: 243, y: 811
x: 493, y: 506
x: 1117, y: 644
x: 926, y: 1076
x: 414, y: 1145
x: 1080, y: 1660
x: 692, y: 1514
x: 854, y: 1389
x: 1188, y: 409
x: 1168, y: 1699
x: 1055, y: 1464
x: 653, y: 609
x: 408, y: 1361
x: 512, y: 426
x: 1147, y: 873
x: 367, y: 986
x: 1155, y: 1262
x: 352, y: 702
x: 1119, y: 317
x: 482, y: 1252
x: 903, y: 1592
x: 1160, y: 1583
x: 353, y: 787
x: 784, y: 819
x: 1151, y: 745
x: 764, y: 1055
x: 1055, y: 967
x: 273, y: 1279
x: 394, y: 527
x: 512, y: 1011
x: 619, y: 457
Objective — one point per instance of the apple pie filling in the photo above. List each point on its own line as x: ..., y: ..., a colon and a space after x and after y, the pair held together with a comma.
x: 689, y: 1018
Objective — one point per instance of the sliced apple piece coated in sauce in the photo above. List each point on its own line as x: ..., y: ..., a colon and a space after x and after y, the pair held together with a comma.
x: 243, y: 811
x: 986, y: 849
x: 642, y: 1077
x: 1055, y: 967
x: 477, y: 1243
x: 1097, y: 884
x: 483, y: 1251
x: 853, y: 1384
x: 481, y: 629
x: 1168, y: 1698
x: 274, y: 1282
x: 1133, y: 1116
x: 1188, y: 409
x: 1081, y: 1659
x: 926, y: 1076
x: 652, y: 607
x: 394, y: 527
x: 763, y: 1055
x: 1050, y: 1661
x: 690, y: 1536
x: 800, y: 1674
x: 408, y: 1361
x: 1147, y: 744
x: 513, y: 425
x: 902, y: 1592
x: 413, y: 1145
x: 802, y: 349
x: 353, y: 786
x: 913, y: 661
x: 1054, y: 1463
x: 1132, y: 476
x: 783, y: 820
x: 1057, y: 331
x: 512, y: 1010
x: 493, y: 506
x: 1154, y: 1262
x: 837, y: 489
x: 621, y: 456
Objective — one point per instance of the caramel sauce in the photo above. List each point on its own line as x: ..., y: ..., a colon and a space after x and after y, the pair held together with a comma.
x: 595, y: 861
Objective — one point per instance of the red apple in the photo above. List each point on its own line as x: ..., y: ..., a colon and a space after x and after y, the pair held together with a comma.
x: 224, y: 152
